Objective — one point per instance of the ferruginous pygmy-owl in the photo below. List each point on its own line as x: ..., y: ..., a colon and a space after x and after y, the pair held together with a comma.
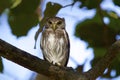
x: 55, y: 42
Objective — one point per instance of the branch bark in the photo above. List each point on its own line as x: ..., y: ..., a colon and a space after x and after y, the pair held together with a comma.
x: 59, y: 73
x: 36, y: 64
x: 104, y: 63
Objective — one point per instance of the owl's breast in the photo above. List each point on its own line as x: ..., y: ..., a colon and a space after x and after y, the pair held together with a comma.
x: 54, y: 40
x: 51, y: 40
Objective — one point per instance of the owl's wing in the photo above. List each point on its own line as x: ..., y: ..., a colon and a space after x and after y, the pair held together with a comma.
x: 68, y: 47
x: 41, y: 44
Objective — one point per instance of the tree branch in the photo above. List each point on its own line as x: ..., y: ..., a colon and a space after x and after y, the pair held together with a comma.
x: 35, y: 64
x: 104, y: 63
x: 59, y: 73
x: 22, y: 58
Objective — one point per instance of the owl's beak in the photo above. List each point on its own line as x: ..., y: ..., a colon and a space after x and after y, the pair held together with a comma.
x: 54, y: 27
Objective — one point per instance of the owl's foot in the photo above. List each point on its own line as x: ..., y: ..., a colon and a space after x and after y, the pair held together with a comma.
x: 56, y: 64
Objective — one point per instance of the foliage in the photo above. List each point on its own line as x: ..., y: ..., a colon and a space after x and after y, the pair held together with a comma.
x: 25, y: 14
x: 100, y: 35
x: 89, y: 3
x: 23, y: 17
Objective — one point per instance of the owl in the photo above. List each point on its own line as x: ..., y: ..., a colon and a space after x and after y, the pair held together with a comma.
x: 54, y: 42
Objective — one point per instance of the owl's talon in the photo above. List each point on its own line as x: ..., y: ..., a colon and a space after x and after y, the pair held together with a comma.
x: 57, y: 64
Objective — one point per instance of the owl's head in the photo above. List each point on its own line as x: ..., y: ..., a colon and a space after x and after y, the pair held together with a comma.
x: 55, y: 23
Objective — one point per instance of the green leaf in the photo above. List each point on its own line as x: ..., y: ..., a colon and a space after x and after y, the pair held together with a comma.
x: 95, y: 32
x: 50, y: 11
x: 99, y: 52
x: 116, y: 2
x: 1, y: 65
x: 23, y: 17
x: 112, y: 14
x: 5, y: 4
x: 114, y: 24
x: 26, y: 6
x: 90, y: 4
x: 21, y: 23
x: 15, y: 3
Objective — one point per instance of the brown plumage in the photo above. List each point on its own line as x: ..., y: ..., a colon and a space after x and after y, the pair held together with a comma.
x: 55, y: 42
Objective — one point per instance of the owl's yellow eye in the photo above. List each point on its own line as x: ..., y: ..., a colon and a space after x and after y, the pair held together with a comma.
x: 60, y: 22
x: 49, y: 22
